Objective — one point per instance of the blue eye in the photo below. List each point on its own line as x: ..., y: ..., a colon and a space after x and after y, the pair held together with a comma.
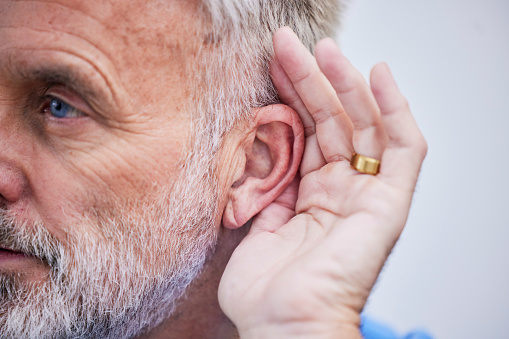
x: 60, y: 109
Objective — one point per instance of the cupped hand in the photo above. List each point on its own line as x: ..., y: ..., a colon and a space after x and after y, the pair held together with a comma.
x: 311, y: 258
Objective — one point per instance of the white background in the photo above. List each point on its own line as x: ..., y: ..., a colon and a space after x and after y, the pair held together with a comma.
x: 450, y: 271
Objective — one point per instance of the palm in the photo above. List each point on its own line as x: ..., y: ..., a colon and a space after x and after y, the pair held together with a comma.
x: 314, y: 254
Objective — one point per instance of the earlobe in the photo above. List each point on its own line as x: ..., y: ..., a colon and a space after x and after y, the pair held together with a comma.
x: 272, y: 153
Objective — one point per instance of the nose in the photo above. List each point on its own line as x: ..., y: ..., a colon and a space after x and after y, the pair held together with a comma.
x: 11, y: 182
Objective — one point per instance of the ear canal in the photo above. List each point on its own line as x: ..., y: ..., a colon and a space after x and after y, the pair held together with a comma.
x: 260, y: 161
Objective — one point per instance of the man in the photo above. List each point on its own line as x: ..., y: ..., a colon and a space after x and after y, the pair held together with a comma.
x: 146, y: 162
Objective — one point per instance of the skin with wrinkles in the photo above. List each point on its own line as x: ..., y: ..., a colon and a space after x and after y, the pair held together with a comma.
x: 127, y: 111
x: 116, y: 211
x: 124, y: 177
x: 75, y: 176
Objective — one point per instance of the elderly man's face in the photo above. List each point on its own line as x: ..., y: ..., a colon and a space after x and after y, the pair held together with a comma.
x: 93, y: 121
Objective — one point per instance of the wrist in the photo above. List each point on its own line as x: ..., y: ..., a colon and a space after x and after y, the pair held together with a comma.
x: 297, y: 331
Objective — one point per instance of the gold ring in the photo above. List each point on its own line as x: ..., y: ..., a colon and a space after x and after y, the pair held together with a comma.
x: 365, y: 164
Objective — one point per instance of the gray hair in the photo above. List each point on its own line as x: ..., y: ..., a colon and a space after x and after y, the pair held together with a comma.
x: 234, y: 61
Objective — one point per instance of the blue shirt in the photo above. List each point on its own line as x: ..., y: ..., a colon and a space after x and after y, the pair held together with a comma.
x: 372, y: 329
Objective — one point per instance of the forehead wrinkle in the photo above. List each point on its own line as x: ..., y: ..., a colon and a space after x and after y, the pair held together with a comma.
x: 88, y: 60
x: 136, y: 24
x: 131, y: 22
x: 80, y: 38
x: 123, y: 12
x: 40, y: 30
x: 62, y: 4
x: 25, y: 74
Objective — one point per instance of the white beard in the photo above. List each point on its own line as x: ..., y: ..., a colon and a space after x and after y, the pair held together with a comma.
x: 118, y: 281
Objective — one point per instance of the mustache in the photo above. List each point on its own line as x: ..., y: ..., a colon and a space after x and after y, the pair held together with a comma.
x: 31, y: 239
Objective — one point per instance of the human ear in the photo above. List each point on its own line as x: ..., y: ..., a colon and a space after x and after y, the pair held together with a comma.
x: 272, y: 151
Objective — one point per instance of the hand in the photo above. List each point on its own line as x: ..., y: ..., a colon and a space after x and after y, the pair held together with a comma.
x: 310, y: 260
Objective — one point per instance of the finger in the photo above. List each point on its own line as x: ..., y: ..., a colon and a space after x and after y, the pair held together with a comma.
x: 312, y: 157
x: 279, y: 212
x: 407, y: 148
x: 290, y: 97
x: 333, y: 127
x: 369, y: 137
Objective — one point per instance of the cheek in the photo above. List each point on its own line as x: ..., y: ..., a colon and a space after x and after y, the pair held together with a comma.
x: 64, y: 190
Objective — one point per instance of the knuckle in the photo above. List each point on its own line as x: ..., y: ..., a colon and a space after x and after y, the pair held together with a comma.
x: 337, y: 158
x: 347, y: 87
x: 323, y: 114
x: 403, y: 104
x: 367, y: 124
x: 420, y: 145
x: 399, y: 105
x: 423, y: 148
x: 300, y: 76
x: 351, y: 83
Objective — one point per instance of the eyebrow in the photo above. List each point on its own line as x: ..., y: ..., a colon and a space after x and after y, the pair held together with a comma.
x: 67, y: 77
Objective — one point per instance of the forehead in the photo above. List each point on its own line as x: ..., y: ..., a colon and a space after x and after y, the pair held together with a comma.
x: 137, y: 21
x: 115, y: 37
